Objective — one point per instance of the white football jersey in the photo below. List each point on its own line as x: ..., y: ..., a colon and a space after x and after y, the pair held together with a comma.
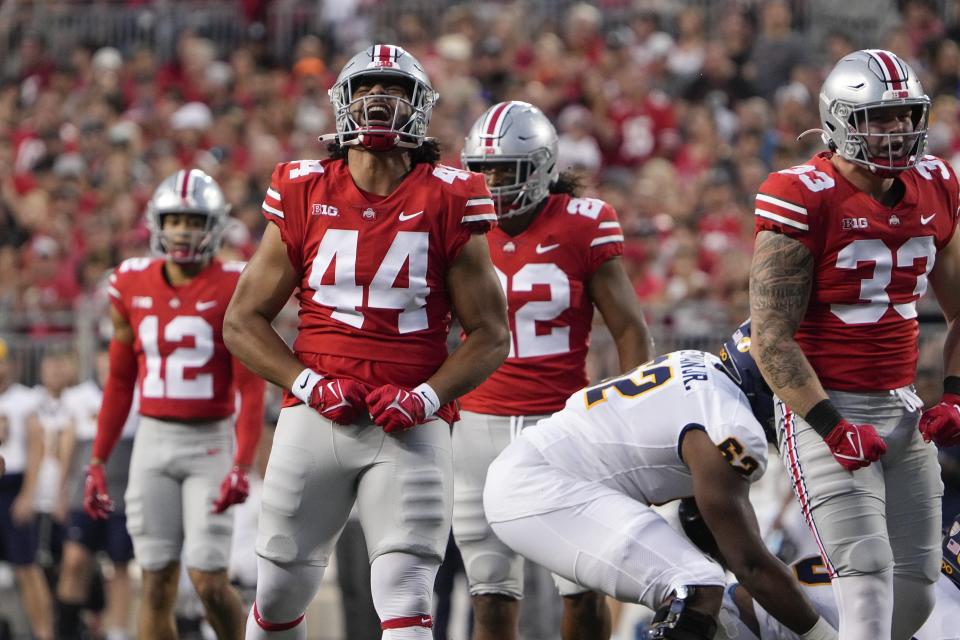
x: 16, y: 404
x: 84, y: 402
x: 941, y: 625
x: 54, y: 417
x: 625, y: 433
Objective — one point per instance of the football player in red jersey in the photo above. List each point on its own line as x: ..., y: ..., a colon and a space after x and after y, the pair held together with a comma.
x: 168, y: 322
x: 844, y: 248
x: 556, y: 255
x: 381, y: 244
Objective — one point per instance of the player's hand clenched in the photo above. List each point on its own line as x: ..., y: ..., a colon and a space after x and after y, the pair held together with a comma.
x: 96, y: 499
x: 233, y: 490
x: 941, y: 422
x: 855, y: 445
x: 395, y: 408
x: 337, y: 399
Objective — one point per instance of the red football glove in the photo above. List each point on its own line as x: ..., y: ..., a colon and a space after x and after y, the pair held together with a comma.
x: 855, y: 445
x: 96, y: 499
x: 941, y: 422
x: 339, y: 400
x: 233, y: 490
x: 395, y: 408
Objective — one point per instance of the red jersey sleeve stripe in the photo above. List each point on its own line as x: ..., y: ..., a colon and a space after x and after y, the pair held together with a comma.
x: 606, y: 240
x: 272, y: 210
x: 479, y: 202
x: 274, y: 194
x: 782, y: 219
x: 482, y: 217
x: 612, y: 224
x: 783, y: 204
x: 113, y: 292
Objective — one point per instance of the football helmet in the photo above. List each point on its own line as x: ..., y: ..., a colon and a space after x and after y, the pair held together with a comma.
x: 951, y: 552
x: 357, y: 119
x: 858, y: 85
x: 514, y: 132
x: 194, y: 192
x: 740, y: 365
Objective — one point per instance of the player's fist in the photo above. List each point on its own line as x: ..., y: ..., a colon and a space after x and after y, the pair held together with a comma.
x: 941, y: 422
x: 336, y: 399
x: 855, y: 445
x: 233, y: 490
x: 395, y: 408
x: 96, y: 499
x: 339, y: 400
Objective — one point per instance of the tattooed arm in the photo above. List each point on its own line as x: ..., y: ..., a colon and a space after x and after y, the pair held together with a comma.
x: 781, y: 277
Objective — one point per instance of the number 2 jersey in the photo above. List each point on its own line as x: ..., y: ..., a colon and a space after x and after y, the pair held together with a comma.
x: 871, y: 264
x: 185, y: 370
x: 374, y: 305
x: 624, y: 435
x: 545, y: 272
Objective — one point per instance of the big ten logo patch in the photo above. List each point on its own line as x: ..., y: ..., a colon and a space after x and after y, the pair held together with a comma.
x: 320, y: 209
x: 854, y: 223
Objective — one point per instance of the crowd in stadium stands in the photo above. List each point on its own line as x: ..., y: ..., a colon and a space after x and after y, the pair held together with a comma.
x: 673, y: 121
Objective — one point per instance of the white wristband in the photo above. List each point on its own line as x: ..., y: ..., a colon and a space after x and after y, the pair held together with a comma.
x: 820, y: 631
x: 431, y: 401
x: 303, y: 386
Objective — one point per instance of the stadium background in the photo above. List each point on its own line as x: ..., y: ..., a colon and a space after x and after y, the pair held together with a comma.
x: 672, y: 111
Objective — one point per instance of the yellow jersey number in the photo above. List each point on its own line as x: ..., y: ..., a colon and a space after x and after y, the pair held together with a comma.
x: 637, y: 382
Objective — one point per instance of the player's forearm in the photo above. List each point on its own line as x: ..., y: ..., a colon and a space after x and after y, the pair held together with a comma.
x: 474, y: 360
x: 250, y: 416
x: 951, y: 352
x: 252, y: 339
x: 634, y: 345
x: 787, y: 371
x: 772, y: 586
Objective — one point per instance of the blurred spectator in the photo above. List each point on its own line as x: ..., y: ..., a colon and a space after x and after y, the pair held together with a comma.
x: 778, y: 49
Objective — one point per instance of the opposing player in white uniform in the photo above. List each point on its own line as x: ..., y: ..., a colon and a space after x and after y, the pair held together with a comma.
x: 743, y: 619
x: 574, y: 492
x: 557, y: 255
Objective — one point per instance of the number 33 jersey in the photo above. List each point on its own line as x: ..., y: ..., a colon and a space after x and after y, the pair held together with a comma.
x: 871, y: 264
x: 374, y: 304
x: 186, y: 372
x: 545, y: 273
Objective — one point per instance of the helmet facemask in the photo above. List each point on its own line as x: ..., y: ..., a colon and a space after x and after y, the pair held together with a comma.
x: 530, y: 183
x: 885, y: 154
x: 190, y: 245
x: 402, y: 123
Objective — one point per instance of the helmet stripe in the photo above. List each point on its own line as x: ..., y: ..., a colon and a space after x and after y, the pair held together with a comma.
x: 495, y: 124
x: 892, y: 71
x: 182, y: 179
x: 385, y: 53
x: 191, y: 184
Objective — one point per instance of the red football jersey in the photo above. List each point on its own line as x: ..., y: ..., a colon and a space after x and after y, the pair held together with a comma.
x: 373, y: 296
x: 871, y: 265
x: 544, y: 272
x: 185, y: 370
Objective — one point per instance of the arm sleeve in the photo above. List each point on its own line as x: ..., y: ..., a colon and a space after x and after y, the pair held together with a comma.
x: 782, y: 208
x: 606, y: 238
x: 250, y: 417
x: 117, y: 398
x: 283, y: 214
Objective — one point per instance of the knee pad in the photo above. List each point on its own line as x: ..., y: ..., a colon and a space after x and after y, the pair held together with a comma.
x: 490, y: 565
x: 402, y: 585
x: 861, y: 557
x: 285, y: 591
x: 678, y: 622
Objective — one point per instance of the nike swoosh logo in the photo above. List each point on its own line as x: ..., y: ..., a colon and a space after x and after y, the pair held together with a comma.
x: 303, y: 385
x: 425, y: 621
x: 543, y: 249
x: 925, y: 220
x: 208, y: 304
x: 407, y: 216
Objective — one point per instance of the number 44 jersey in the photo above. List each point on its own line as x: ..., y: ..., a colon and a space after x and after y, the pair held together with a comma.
x: 186, y: 372
x: 871, y: 264
x: 374, y: 304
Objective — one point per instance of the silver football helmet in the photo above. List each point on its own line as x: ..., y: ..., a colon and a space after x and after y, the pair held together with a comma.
x: 370, y: 120
x: 858, y: 85
x: 193, y: 192
x: 514, y: 132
